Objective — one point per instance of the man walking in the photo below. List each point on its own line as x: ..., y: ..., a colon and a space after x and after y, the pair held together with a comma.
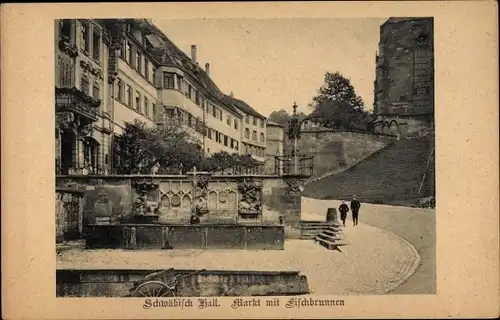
x: 355, y: 205
x: 344, y: 209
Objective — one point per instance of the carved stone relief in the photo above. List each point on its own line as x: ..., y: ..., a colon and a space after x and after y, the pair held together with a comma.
x: 175, y: 197
x: 146, y: 198
x: 250, y: 191
x: 295, y: 187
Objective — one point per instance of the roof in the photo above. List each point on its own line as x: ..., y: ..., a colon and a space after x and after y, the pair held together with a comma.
x: 274, y: 124
x: 171, y: 55
x: 243, y: 106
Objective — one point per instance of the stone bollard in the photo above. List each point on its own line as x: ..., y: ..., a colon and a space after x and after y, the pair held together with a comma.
x: 331, y: 215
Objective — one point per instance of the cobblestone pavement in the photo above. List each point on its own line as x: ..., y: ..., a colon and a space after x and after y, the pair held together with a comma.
x: 374, y: 262
x: 417, y: 226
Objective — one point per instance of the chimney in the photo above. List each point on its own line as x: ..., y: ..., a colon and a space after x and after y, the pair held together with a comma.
x: 207, y: 68
x: 193, y: 53
x: 231, y: 94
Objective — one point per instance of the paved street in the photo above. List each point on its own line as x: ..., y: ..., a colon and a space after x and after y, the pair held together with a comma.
x: 374, y: 263
x: 417, y: 226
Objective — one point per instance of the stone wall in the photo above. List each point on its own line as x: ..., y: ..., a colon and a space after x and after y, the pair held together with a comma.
x: 333, y: 150
x: 250, y: 200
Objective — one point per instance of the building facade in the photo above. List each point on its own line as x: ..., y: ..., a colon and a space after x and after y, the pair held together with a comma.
x: 111, y: 72
x: 274, y: 145
x: 404, y: 84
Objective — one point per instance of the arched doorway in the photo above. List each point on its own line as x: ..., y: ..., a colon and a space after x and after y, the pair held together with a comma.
x: 394, y: 128
x: 91, y: 155
x: 68, y: 151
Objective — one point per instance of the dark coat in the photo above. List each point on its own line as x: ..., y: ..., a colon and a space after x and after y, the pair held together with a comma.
x: 355, y: 205
x: 343, y: 211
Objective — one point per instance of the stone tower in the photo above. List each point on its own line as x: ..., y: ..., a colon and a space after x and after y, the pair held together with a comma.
x: 404, y: 82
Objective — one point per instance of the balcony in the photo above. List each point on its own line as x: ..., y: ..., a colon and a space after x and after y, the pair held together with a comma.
x: 74, y: 100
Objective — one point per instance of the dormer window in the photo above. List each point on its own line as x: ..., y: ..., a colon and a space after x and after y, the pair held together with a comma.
x: 168, y: 80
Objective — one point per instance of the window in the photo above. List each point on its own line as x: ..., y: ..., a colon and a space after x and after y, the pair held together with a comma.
x: 254, y: 135
x: 65, y: 29
x: 247, y: 133
x: 168, y: 80
x: 254, y: 121
x: 179, y: 83
x: 236, y: 124
x: 228, y: 120
x: 209, y: 108
x: 220, y: 115
x: 209, y: 133
x: 246, y: 148
x: 236, y: 145
x: 123, y: 50
x: 190, y: 120
x: 262, y: 139
x: 96, y: 91
x: 197, y: 98
x: 130, y: 54
x: 129, y: 95
x: 153, y: 71
x: 146, y: 69
x: 220, y: 137
x: 154, y: 112
x: 262, y: 122
x: 96, y: 45
x: 190, y: 92
x: 85, y: 85
x: 225, y: 141
x: 146, y: 106
x: 247, y: 118
x: 138, y: 62
x: 214, y: 111
x: 138, y: 101
x: 216, y: 136
x: 119, y: 89
x: 86, y: 36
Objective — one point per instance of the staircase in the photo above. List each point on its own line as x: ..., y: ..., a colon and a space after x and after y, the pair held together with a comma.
x: 393, y: 175
x: 327, y: 234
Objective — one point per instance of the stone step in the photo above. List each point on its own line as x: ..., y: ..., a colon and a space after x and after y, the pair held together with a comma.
x: 331, y: 245
x: 319, y: 226
x: 332, y: 232
x: 328, y: 237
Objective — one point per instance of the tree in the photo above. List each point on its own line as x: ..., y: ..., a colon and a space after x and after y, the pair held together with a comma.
x: 337, y: 105
x: 170, y: 146
x: 280, y: 117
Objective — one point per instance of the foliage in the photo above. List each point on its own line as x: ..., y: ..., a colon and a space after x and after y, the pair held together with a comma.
x: 223, y: 161
x: 169, y: 146
x: 282, y: 117
x: 172, y: 148
x: 337, y: 106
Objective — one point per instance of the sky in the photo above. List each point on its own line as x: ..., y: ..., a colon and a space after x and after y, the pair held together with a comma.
x: 272, y: 63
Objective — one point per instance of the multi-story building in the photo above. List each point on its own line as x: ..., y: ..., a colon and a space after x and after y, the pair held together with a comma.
x: 253, y: 130
x: 404, y: 84
x: 274, y: 145
x: 83, y: 122
x: 113, y: 71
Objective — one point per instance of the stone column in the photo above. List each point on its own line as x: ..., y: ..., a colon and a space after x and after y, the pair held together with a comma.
x: 290, y: 201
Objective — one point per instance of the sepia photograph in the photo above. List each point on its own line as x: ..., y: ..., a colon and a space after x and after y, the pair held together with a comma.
x: 244, y: 157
